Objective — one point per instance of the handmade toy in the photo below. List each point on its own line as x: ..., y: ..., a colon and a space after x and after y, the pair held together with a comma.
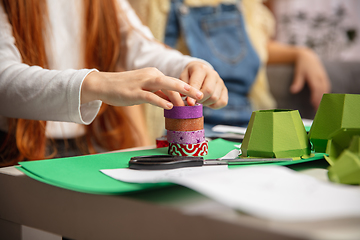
x: 337, y: 118
x: 346, y: 168
x: 275, y: 134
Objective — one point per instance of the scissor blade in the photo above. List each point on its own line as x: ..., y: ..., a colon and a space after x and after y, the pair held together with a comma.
x: 243, y: 160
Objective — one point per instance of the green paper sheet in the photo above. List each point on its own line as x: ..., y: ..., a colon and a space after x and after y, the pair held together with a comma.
x: 83, y: 173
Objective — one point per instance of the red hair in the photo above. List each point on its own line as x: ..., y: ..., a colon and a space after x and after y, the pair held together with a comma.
x: 105, y: 50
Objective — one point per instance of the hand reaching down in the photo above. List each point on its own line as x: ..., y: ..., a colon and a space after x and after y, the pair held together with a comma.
x: 203, y: 77
x: 147, y: 85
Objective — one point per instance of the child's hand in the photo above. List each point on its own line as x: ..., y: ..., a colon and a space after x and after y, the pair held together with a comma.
x: 202, y: 77
x: 147, y: 85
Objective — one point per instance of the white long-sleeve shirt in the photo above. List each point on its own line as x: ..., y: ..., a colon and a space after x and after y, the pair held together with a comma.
x: 31, y: 92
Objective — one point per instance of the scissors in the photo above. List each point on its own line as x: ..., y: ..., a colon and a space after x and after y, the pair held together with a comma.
x: 159, y: 162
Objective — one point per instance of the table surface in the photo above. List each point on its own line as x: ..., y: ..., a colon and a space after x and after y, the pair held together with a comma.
x: 173, y: 212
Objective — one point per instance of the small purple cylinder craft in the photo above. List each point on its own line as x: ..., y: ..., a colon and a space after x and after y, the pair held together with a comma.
x: 186, y: 137
x: 185, y: 112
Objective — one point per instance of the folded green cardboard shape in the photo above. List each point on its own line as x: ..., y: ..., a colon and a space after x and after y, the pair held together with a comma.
x: 276, y: 133
x: 338, y: 115
x: 340, y: 141
x: 346, y: 168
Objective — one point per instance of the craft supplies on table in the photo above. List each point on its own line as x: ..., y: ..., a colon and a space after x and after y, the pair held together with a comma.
x: 185, y: 131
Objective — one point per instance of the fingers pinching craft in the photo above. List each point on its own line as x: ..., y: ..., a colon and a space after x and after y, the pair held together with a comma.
x: 185, y: 131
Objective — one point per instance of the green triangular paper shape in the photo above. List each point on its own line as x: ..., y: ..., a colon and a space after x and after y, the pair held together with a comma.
x: 340, y: 141
x: 336, y: 113
x: 355, y: 145
x: 346, y: 169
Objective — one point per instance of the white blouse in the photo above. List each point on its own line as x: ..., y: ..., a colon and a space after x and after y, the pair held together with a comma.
x: 31, y: 92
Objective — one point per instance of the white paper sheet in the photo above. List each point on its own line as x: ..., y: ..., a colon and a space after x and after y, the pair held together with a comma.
x: 242, y: 130
x: 229, y: 129
x: 270, y: 192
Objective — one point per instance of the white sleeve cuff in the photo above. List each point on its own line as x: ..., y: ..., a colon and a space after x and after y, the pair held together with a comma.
x: 88, y: 111
x: 85, y: 113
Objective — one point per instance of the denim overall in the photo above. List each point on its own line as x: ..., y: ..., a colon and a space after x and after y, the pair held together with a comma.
x: 218, y: 35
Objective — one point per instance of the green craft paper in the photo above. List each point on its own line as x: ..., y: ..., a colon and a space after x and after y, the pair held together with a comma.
x: 83, y: 173
x: 355, y: 145
x: 275, y: 134
x: 346, y: 170
x: 340, y: 141
x: 337, y: 114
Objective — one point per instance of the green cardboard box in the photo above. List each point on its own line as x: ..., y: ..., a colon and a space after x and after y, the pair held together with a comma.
x: 339, y: 142
x: 346, y: 170
x: 338, y: 118
x: 276, y: 133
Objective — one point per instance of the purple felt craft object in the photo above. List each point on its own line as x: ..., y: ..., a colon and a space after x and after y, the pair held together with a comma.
x: 186, y: 137
x: 185, y: 112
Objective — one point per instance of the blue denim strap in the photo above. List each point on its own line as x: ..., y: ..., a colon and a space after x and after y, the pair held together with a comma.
x: 218, y: 35
x: 172, y: 31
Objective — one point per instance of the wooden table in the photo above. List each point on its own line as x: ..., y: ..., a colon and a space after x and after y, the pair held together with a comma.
x: 168, y: 213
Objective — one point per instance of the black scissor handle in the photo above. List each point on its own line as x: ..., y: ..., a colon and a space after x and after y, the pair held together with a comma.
x: 159, y: 162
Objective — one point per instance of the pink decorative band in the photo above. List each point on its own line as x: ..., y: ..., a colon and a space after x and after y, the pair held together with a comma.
x: 185, y: 112
x: 186, y: 137
x: 199, y: 149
